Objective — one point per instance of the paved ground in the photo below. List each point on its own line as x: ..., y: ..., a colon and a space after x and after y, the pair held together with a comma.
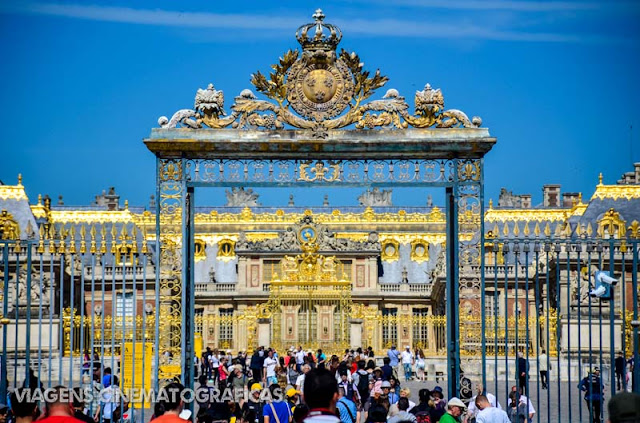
x: 551, y: 406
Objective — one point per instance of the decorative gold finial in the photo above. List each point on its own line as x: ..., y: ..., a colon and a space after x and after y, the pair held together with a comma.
x: 600, y: 179
x: 126, y: 204
x: 491, y: 204
x: 19, y: 179
x: 39, y: 199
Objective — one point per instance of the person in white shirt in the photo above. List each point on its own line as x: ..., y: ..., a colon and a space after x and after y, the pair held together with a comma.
x: 407, y: 362
x: 472, y: 411
x: 270, y: 364
x: 522, y: 399
x: 300, y: 358
x: 214, y: 364
x: 489, y: 414
x: 543, y: 368
x: 300, y: 380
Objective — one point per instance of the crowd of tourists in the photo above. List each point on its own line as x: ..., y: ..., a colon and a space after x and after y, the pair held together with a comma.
x: 298, y: 386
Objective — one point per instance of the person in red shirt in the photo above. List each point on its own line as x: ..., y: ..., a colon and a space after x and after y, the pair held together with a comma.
x: 59, y: 406
x: 170, y: 397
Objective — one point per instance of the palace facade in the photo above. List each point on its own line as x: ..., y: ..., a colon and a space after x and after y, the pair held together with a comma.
x: 371, y: 274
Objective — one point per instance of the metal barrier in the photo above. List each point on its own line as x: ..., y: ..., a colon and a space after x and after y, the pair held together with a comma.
x: 551, y: 283
x: 73, y: 308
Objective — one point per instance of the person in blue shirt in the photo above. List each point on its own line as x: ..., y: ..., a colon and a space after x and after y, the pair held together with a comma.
x: 276, y: 410
x: 106, y: 379
x: 346, y: 408
x: 593, y: 390
x: 394, y: 357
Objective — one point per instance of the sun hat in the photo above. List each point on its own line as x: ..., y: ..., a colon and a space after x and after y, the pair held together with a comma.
x: 456, y: 402
x: 385, y: 384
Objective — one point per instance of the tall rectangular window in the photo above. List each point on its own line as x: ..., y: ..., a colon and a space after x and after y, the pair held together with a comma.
x: 225, y: 340
x: 389, y: 326
x: 420, y: 327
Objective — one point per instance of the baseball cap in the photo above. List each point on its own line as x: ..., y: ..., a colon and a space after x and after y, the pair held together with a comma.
x: 624, y: 406
x: 456, y: 402
x: 292, y: 391
x: 385, y: 384
x: 256, y: 387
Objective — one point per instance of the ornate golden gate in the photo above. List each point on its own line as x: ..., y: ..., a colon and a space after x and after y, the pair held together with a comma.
x: 310, y: 304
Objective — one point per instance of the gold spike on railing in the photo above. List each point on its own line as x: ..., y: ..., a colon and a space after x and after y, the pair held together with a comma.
x: 41, y: 240
x: 134, y: 240
x: 114, y: 234
x: 589, y: 230
x: 61, y: 247
x: 516, y: 229
x: 526, y: 232
x: 92, y: 237
x: 123, y: 239
x: 496, y: 230
x: 547, y: 230
x: 83, y: 244
x: 578, y: 229
x: 72, y: 242
x: 103, y: 240
x: 536, y: 230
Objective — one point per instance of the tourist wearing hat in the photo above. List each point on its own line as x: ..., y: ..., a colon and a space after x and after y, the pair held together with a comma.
x: 624, y: 407
x: 376, y: 380
x: 293, y: 398
x: 593, y: 390
x: 455, y: 409
x: 439, y: 403
x: 253, y: 404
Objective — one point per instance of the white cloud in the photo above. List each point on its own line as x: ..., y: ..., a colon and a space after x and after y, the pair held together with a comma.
x: 451, y: 28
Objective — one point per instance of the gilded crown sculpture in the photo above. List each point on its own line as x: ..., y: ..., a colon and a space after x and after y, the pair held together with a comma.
x: 318, y: 90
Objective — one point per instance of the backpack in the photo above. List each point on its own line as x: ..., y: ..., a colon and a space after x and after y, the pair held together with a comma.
x: 423, y: 417
x: 363, y: 385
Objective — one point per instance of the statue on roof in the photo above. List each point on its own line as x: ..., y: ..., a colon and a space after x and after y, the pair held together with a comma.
x: 508, y: 199
x: 239, y: 197
x: 375, y: 197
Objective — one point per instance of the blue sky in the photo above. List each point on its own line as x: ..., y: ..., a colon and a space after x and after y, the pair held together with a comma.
x: 83, y: 83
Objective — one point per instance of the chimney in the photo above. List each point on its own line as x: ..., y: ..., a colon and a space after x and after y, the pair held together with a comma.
x: 636, y: 167
x: 525, y: 201
x: 112, y: 199
x: 570, y: 198
x: 551, y: 195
